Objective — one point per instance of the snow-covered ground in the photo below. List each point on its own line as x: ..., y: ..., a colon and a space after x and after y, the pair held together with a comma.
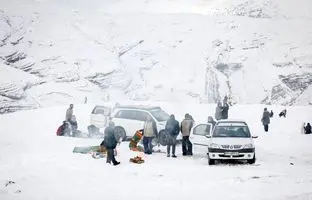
x: 256, y: 51
x: 42, y: 165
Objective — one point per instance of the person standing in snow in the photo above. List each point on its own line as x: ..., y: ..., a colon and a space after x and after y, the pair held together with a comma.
x: 186, y: 126
x: 69, y: 113
x: 172, y: 130
x: 265, y: 119
x: 218, y: 114
x: 307, y: 129
x: 150, y: 131
x: 225, y: 111
x: 110, y: 143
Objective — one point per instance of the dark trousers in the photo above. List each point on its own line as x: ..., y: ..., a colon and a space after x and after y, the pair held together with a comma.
x: 171, y: 143
x: 186, y: 145
x: 148, y: 147
x: 266, y: 127
x: 110, y: 156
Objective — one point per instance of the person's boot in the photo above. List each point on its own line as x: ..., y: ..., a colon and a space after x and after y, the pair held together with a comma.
x: 168, y: 155
x: 116, y: 163
x: 173, y: 156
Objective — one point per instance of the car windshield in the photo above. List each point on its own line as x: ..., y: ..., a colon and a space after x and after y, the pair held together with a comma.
x: 231, y: 131
x: 160, y: 115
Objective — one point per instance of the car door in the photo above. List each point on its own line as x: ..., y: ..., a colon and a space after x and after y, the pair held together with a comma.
x: 200, y: 134
x: 99, y: 116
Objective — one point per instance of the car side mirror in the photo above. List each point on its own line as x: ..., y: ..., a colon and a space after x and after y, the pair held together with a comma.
x: 254, y: 137
x: 208, y: 136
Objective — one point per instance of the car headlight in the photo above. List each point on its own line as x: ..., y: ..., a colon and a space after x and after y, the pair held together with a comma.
x: 249, y: 146
x: 214, y: 146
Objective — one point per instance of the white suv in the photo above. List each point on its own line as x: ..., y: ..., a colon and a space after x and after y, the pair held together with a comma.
x: 227, y: 140
x: 129, y: 119
x: 132, y: 118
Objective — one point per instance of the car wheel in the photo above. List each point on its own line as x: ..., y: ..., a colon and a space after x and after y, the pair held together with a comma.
x: 120, y: 133
x: 162, y: 140
x: 253, y: 160
x: 211, y: 161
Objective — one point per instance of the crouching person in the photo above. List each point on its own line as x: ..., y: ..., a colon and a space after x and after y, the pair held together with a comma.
x: 63, y: 130
x: 110, y: 143
x: 186, y: 126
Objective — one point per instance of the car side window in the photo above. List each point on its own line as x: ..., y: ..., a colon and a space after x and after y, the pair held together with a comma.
x: 141, y: 116
x: 125, y: 114
x: 202, y: 129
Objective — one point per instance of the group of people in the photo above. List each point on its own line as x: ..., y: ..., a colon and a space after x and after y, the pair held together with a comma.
x: 69, y: 126
x: 222, y: 110
x: 172, y: 130
x: 267, y: 115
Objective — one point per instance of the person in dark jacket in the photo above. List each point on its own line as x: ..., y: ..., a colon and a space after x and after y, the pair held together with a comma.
x: 186, y: 126
x: 218, y: 114
x: 265, y: 119
x: 172, y: 130
x: 150, y: 131
x: 307, y: 129
x: 110, y: 143
x: 225, y: 111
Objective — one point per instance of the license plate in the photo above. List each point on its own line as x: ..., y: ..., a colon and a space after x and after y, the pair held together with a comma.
x: 231, y: 153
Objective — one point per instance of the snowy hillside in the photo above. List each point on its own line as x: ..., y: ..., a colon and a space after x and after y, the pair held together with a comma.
x: 256, y: 51
x: 36, y: 164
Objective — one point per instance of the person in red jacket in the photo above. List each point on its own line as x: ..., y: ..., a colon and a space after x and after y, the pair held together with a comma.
x: 63, y: 129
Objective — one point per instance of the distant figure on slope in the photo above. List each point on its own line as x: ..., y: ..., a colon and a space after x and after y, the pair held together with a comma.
x: 307, y: 129
x: 283, y: 113
x: 265, y: 119
x: 218, y: 114
x: 186, y: 126
x: 172, y: 130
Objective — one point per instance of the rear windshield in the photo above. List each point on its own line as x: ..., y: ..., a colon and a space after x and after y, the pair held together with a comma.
x: 231, y: 131
x: 160, y: 115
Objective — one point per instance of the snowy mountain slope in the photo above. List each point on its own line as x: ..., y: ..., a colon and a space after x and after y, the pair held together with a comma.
x: 43, y: 165
x: 254, y: 51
